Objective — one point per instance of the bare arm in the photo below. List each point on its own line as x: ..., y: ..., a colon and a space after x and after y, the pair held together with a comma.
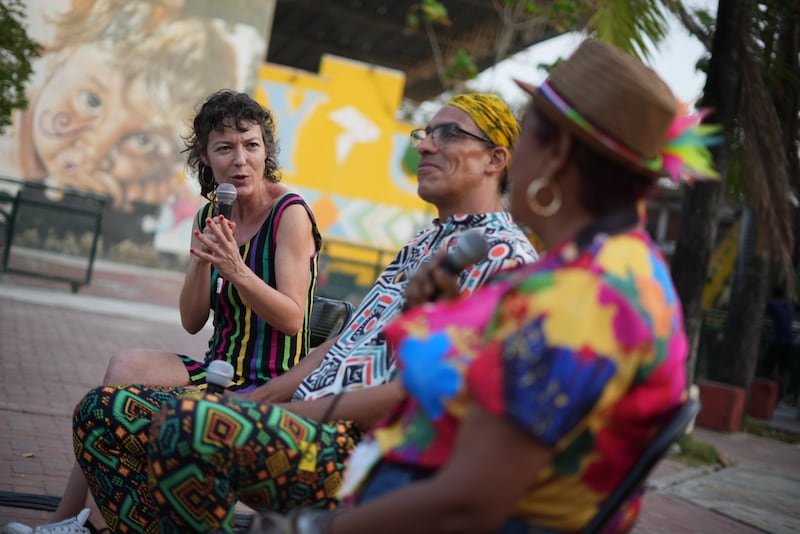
x: 284, y: 307
x: 493, y: 463
x: 195, y: 298
x: 365, y: 406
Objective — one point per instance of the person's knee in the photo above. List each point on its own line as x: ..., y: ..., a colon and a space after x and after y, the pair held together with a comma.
x: 124, y: 367
x: 199, y: 428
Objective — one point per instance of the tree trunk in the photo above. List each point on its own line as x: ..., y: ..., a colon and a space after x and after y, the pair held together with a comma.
x: 700, y: 207
x: 696, y: 235
x: 735, y: 361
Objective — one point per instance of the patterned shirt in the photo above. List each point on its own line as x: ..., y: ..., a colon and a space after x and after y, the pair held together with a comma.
x: 359, y: 358
x: 256, y: 350
x: 585, y: 351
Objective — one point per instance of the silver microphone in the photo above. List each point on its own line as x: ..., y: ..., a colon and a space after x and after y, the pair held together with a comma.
x: 226, y: 195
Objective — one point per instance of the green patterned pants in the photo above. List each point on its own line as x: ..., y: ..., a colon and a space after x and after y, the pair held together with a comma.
x: 167, y: 460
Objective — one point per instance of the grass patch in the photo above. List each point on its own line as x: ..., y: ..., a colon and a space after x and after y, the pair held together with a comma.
x: 766, y: 431
x: 694, y: 453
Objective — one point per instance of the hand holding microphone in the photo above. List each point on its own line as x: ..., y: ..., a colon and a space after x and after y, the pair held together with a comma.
x: 428, y: 285
x: 470, y: 248
x: 226, y: 196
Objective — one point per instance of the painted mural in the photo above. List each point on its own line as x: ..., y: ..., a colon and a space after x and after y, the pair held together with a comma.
x: 112, y: 93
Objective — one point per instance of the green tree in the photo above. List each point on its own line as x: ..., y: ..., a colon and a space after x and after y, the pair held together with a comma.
x: 17, y: 51
x: 753, y: 86
x: 701, y: 203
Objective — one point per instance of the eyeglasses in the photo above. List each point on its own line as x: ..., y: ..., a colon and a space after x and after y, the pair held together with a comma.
x: 442, y: 134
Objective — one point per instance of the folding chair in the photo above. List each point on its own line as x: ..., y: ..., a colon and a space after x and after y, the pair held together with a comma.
x: 636, y: 477
x: 328, y: 318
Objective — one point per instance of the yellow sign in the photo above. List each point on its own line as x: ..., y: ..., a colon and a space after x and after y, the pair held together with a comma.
x: 343, y: 149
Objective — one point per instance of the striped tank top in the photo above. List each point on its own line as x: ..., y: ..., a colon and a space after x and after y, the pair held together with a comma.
x: 256, y: 350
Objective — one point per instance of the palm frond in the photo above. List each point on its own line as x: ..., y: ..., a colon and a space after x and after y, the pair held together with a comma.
x: 634, y: 26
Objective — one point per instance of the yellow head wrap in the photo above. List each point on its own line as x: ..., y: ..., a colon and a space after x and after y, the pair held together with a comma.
x: 491, y: 115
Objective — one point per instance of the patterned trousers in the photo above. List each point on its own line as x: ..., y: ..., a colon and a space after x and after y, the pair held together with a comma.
x: 168, y: 460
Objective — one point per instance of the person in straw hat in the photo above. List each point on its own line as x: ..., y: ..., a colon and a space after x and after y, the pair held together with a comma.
x: 530, y: 400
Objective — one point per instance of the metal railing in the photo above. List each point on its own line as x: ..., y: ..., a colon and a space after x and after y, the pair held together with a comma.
x: 27, y: 207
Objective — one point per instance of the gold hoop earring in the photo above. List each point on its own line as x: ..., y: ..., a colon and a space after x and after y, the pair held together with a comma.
x: 536, y: 207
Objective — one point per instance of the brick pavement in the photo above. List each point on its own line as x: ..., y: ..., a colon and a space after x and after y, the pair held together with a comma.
x: 54, y: 346
x: 51, y: 353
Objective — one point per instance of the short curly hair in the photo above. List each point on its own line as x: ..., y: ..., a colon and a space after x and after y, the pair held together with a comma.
x: 230, y: 109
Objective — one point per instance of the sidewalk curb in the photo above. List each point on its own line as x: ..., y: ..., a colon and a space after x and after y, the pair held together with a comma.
x: 664, y: 482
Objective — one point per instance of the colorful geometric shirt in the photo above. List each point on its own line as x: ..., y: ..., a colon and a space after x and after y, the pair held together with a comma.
x: 359, y: 358
x: 256, y: 350
x: 584, y: 350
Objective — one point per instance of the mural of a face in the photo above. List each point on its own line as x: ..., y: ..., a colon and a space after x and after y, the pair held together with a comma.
x: 96, y: 129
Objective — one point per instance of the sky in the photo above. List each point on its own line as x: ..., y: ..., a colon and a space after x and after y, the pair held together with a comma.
x: 674, y: 60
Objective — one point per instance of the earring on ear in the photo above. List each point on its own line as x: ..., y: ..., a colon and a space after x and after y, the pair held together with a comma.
x: 537, y: 207
x: 206, y: 178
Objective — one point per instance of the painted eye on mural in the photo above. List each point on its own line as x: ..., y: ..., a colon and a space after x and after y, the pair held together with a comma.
x: 145, y: 143
x: 87, y: 102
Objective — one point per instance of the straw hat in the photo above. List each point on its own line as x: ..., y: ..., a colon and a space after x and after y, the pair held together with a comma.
x: 611, y: 101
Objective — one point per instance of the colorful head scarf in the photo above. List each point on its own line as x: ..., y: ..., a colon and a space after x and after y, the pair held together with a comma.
x: 491, y: 115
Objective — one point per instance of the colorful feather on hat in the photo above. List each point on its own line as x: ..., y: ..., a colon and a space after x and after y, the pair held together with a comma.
x: 685, y: 154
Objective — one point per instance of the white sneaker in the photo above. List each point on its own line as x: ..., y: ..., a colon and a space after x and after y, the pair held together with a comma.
x: 73, y: 525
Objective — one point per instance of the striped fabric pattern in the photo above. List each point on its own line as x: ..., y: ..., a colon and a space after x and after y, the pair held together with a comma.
x: 257, y: 351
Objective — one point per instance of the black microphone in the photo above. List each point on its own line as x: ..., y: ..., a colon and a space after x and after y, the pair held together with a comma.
x: 471, y: 247
x: 218, y: 376
x: 226, y: 195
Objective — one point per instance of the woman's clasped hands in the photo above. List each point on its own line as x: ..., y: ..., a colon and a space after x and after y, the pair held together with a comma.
x: 219, y: 246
